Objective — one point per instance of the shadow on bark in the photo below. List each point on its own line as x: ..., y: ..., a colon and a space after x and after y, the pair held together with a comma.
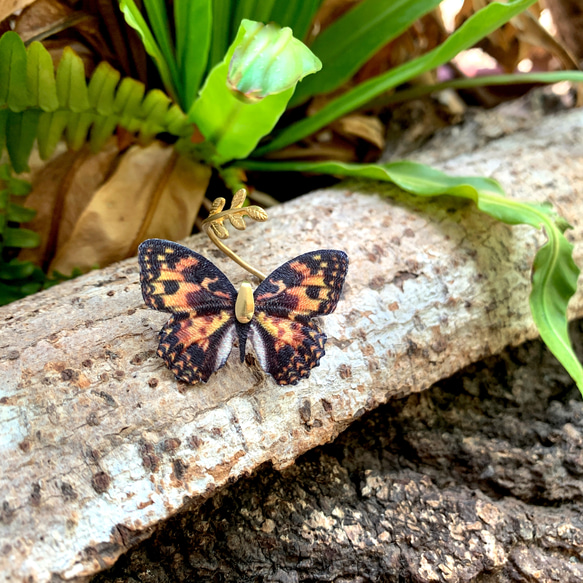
x: 477, y: 479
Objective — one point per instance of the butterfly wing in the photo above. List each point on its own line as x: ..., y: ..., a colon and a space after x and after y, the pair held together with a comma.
x: 198, y: 338
x: 287, y: 344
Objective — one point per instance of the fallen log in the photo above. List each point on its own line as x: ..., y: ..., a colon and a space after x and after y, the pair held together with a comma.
x: 100, y: 443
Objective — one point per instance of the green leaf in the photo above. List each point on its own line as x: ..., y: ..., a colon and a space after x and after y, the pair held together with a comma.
x: 158, y: 17
x: 486, y: 81
x: 78, y: 128
x: 50, y: 130
x: 234, y: 127
x: 19, y: 214
x: 23, y: 238
x: 9, y: 293
x: 40, y: 76
x: 71, y: 85
x: 13, y: 90
x: 135, y: 19
x: 221, y: 31
x: 193, y: 23
x: 474, y: 29
x: 101, y: 91
x: 21, y: 132
x: 297, y: 15
x: 18, y: 187
x: 554, y: 279
x: 345, y: 45
x: 3, y: 121
x: 16, y: 269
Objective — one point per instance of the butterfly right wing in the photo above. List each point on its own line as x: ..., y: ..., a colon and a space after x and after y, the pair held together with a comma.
x: 199, y: 336
x: 287, y: 343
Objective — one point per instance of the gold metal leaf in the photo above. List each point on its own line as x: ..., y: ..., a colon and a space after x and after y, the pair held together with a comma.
x: 238, y: 222
x: 217, y: 205
x: 256, y: 213
x: 220, y: 231
x: 238, y: 199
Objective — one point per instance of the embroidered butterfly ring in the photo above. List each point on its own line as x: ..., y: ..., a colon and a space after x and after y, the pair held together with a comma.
x: 208, y: 314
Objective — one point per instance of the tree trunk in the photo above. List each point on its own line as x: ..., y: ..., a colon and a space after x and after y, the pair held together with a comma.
x: 100, y: 443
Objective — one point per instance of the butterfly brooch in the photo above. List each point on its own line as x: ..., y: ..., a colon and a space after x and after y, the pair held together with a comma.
x: 208, y: 314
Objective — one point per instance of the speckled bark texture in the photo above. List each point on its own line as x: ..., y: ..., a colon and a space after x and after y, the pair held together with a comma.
x: 479, y: 479
x: 99, y: 442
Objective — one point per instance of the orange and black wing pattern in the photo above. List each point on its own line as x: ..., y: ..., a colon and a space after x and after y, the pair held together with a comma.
x: 287, y: 344
x: 199, y: 336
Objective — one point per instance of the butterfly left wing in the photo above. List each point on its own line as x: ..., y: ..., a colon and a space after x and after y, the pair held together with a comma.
x: 199, y: 336
x: 287, y: 344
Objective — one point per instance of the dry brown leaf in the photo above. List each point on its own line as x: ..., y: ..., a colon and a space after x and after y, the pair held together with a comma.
x: 530, y: 31
x: 62, y: 188
x: 366, y: 127
x: 45, y: 18
x: 8, y: 7
x: 152, y: 193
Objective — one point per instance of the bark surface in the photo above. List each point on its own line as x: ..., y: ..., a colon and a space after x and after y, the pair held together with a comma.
x: 479, y: 479
x: 99, y: 443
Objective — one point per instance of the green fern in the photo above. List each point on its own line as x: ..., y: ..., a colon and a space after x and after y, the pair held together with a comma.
x: 15, y: 275
x: 36, y: 106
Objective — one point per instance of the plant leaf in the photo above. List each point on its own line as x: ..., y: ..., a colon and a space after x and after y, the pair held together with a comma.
x: 474, y: 29
x: 554, y: 279
x: 233, y: 127
x: 40, y: 75
x: 13, y: 89
x: 71, y: 85
x: 23, y: 238
x: 221, y: 31
x: 345, y: 45
x: 135, y: 19
x: 16, y: 269
x: 158, y: 17
x: 19, y: 214
x: 297, y: 15
x: 21, y: 130
x: 193, y: 23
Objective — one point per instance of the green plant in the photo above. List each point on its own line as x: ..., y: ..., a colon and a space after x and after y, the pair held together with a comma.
x: 233, y: 78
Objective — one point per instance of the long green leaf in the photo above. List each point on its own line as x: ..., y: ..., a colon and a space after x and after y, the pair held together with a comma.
x: 21, y: 132
x: 158, y: 17
x: 474, y: 29
x: 19, y: 214
x: 71, y: 84
x: 16, y: 269
x: 40, y: 74
x: 135, y: 19
x: 555, y: 274
x: 13, y: 90
x: 350, y: 41
x: 221, y: 31
x: 23, y: 238
x: 297, y: 15
x: 193, y: 23
x: 485, y: 81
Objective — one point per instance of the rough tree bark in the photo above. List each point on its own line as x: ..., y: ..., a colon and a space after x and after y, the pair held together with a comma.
x: 100, y: 443
x: 478, y: 479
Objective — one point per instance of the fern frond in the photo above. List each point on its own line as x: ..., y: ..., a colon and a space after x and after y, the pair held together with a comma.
x: 34, y: 105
